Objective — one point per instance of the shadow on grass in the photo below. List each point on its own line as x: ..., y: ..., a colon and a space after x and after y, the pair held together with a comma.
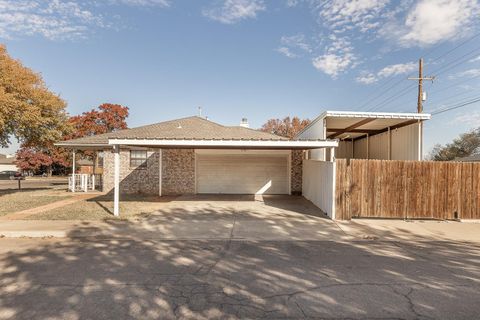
x: 81, y: 278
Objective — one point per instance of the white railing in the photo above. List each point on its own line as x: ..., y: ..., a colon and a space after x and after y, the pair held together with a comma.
x: 81, y: 182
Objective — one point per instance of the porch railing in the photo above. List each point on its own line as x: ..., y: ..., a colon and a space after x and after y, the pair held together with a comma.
x: 83, y: 182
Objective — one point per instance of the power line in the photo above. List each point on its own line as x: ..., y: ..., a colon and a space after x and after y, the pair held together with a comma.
x: 456, y: 47
x: 428, y: 53
x: 477, y: 99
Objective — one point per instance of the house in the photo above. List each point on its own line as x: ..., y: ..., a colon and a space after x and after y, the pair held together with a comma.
x: 472, y: 158
x: 369, y: 135
x: 194, y: 155
x: 89, y: 166
x: 7, y: 163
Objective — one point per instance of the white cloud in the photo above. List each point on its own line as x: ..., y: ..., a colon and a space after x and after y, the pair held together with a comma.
x: 334, y: 64
x: 388, y: 71
x: 292, y: 3
x: 294, y: 46
x: 470, y: 73
x: 433, y: 21
x: 344, y: 15
x: 233, y: 11
x: 59, y: 19
x: 475, y: 59
x: 367, y: 78
x: 53, y: 19
x: 286, y: 52
x: 396, y: 69
x: 144, y: 3
x: 296, y: 41
x: 471, y: 118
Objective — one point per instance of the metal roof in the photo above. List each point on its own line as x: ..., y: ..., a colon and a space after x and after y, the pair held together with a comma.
x: 191, y: 128
x: 353, y: 124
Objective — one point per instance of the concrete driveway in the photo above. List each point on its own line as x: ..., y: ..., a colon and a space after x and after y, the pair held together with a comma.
x: 242, y: 217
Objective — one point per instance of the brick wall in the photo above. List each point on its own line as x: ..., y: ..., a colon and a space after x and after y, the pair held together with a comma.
x: 178, y: 171
x: 132, y: 180
x: 296, y: 171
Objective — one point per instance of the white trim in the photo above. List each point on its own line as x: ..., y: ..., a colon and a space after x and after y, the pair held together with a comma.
x: 420, y: 140
x: 334, y: 186
x: 243, y: 151
x: 376, y: 115
x: 289, y: 172
x: 116, y: 183
x: 247, y: 144
x: 160, y: 166
x: 73, y: 169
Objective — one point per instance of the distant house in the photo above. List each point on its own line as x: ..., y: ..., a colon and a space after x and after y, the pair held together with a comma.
x: 472, y: 158
x: 7, y: 163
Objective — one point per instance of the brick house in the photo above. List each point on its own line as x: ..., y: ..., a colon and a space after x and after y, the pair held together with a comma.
x: 194, y: 156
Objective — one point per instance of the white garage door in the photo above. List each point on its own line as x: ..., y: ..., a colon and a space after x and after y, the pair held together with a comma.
x: 242, y: 174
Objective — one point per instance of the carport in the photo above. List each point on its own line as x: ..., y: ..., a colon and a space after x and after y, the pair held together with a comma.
x: 221, y: 147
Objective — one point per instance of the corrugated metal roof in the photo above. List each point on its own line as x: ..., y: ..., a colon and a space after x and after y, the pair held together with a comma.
x: 336, y: 121
x: 191, y: 128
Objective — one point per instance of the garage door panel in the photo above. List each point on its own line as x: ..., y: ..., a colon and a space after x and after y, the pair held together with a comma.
x: 242, y: 174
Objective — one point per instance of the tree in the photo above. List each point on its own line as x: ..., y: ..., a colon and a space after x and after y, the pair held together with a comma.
x: 108, y: 118
x: 29, y: 112
x: 286, y: 127
x: 465, y: 145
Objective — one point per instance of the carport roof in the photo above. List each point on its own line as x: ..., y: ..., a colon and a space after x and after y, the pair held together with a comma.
x: 351, y: 124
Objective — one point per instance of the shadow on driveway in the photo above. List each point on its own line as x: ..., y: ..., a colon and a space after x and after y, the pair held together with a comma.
x: 79, y: 278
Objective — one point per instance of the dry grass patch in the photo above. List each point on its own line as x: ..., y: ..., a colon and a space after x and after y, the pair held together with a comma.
x: 101, y: 208
x: 12, y: 201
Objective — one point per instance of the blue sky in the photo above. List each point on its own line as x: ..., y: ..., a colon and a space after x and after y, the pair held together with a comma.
x: 252, y: 58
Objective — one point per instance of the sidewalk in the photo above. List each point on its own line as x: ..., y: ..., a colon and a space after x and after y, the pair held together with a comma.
x: 222, y: 229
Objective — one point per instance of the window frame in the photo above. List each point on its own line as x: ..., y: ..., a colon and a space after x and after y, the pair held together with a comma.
x: 136, y: 159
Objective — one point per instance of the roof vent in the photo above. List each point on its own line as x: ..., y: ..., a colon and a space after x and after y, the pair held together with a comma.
x: 179, y: 126
x: 244, y: 123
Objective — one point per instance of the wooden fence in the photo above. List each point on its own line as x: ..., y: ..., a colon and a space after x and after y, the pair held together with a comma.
x: 407, y: 189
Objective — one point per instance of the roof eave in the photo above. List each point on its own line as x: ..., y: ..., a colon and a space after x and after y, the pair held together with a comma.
x: 227, y: 144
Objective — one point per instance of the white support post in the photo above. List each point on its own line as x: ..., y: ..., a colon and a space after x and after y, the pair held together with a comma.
x: 73, y: 170
x: 93, y: 182
x: 420, y: 141
x: 332, y: 154
x: 368, y: 146
x: 389, y: 144
x: 334, y: 187
x: 160, y: 164
x: 116, y: 187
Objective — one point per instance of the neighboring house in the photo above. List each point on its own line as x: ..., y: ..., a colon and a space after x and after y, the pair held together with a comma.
x: 194, y: 155
x: 472, y: 158
x: 7, y: 163
x: 369, y: 135
x: 88, y: 166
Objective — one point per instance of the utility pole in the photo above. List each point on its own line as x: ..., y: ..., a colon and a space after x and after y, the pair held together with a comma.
x: 420, y: 85
x: 420, y: 104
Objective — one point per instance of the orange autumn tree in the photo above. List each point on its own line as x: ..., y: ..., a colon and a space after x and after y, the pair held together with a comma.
x: 106, y: 118
x: 286, y: 127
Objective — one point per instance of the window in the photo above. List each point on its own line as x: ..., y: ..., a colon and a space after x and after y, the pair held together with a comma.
x: 138, y: 158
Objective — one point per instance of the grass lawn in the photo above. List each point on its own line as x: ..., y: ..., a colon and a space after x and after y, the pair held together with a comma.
x: 18, y: 200
x: 101, y: 208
